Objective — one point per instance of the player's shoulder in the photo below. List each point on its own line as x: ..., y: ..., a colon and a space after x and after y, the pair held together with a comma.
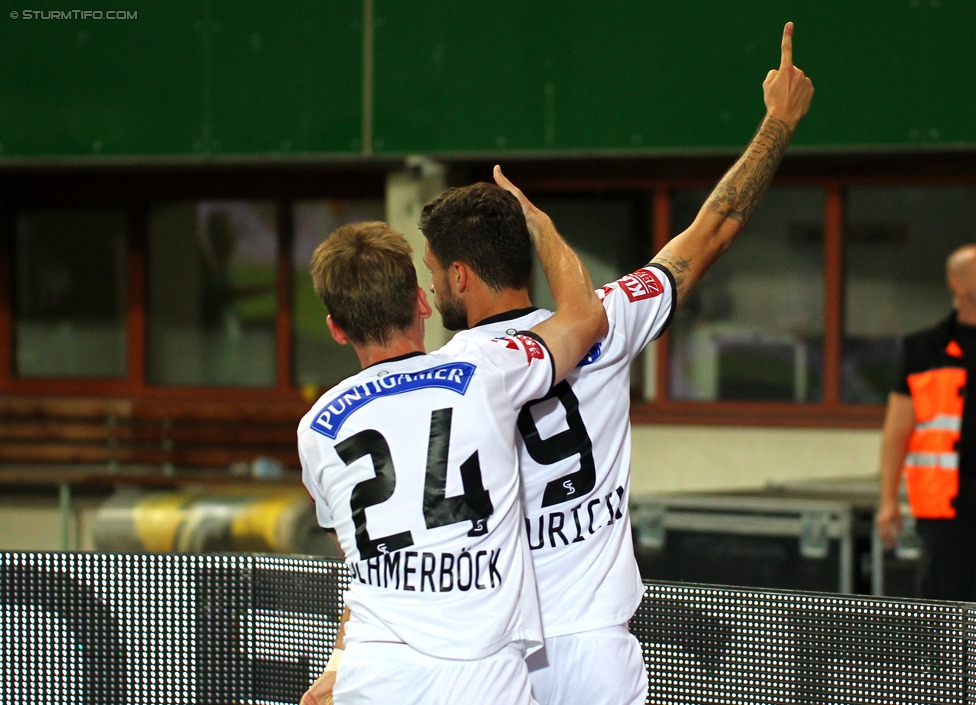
x: 328, y: 394
x: 510, y: 322
x: 491, y: 348
x: 308, y: 420
x: 489, y: 332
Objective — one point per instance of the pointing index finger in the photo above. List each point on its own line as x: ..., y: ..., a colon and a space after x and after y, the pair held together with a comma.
x: 786, y: 60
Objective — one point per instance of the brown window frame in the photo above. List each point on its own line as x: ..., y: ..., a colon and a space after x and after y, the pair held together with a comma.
x: 135, y: 189
x: 834, y: 174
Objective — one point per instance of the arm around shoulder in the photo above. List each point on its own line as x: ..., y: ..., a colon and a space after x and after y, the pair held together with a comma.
x: 579, y: 319
x: 572, y: 330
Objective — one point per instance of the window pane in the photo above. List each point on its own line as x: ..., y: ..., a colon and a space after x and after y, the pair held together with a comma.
x: 896, y: 244
x: 320, y: 362
x: 753, y: 329
x: 212, y: 279
x: 70, y: 294
x: 606, y: 232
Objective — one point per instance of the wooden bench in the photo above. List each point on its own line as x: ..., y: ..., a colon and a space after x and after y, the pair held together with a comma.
x: 170, y: 435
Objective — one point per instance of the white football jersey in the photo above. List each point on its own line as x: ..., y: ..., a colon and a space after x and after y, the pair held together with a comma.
x: 413, y: 462
x: 575, y: 460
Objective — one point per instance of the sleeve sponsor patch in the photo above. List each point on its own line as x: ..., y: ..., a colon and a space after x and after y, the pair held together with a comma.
x: 640, y: 285
x: 526, y: 343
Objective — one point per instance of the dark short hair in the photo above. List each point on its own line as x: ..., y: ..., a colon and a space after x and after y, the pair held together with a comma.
x: 481, y: 225
x: 364, y: 274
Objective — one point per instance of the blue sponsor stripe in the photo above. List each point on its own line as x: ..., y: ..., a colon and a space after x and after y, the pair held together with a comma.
x: 455, y: 376
x: 592, y: 355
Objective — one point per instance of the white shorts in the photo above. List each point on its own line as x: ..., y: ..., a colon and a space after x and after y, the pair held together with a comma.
x: 376, y: 673
x: 599, y: 667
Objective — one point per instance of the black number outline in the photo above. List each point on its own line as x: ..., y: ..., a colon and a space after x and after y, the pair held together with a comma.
x: 372, y: 491
x: 474, y: 504
x: 574, y: 440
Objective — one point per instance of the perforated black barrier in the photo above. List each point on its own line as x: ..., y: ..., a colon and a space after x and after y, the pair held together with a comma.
x: 146, y: 628
x: 710, y: 644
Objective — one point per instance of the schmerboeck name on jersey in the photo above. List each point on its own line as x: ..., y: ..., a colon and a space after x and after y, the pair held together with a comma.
x: 424, y: 571
x: 455, y: 377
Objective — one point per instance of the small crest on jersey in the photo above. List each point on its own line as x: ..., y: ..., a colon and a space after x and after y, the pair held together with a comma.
x: 455, y: 376
x: 642, y: 284
x: 526, y: 343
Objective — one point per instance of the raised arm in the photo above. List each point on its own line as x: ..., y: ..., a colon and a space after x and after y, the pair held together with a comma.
x: 787, y: 93
x: 579, y: 320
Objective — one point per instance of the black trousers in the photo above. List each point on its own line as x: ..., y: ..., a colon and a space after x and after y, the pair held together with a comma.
x: 947, y: 567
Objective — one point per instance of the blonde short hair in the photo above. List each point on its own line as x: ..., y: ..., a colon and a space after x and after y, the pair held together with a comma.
x: 364, y: 274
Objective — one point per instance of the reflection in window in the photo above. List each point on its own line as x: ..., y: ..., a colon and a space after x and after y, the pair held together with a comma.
x: 896, y: 243
x: 212, y: 279
x: 319, y: 361
x: 753, y: 329
x: 606, y: 233
x: 70, y: 294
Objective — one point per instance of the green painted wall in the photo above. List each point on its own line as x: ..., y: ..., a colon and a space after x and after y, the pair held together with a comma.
x: 182, y: 78
x: 217, y: 78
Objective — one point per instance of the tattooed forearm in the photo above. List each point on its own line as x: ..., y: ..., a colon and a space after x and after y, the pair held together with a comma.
x: 741, y: 189
x: 722, y: 218
x: 679, y: 267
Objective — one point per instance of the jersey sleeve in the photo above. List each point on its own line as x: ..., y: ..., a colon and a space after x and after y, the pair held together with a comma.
x: 639, y: 306
x: 526, y: 366
x: 310, y: 475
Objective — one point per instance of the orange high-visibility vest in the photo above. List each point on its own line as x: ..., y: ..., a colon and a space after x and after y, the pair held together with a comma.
x: 932, y: 463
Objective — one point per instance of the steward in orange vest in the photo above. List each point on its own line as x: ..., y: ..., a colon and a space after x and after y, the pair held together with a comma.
x: 929, y: 438
x: 936, y: 378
